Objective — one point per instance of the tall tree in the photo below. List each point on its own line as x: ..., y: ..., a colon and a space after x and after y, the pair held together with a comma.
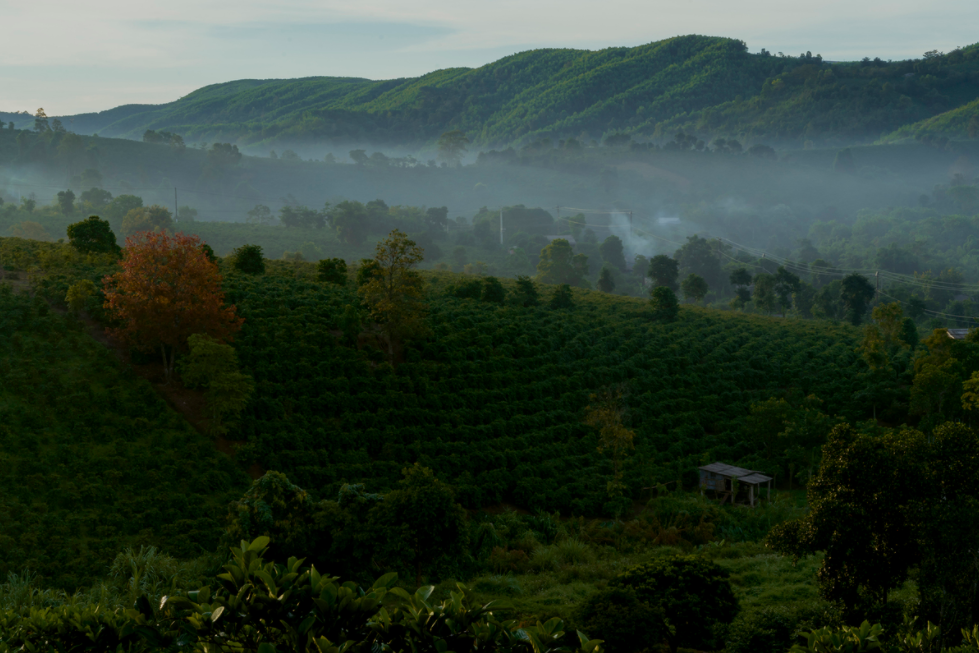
x: 166, y: 291
x: 66, y: 201
x: 350, y: 219
x: 526, y: 294
x: 332, y: 270
x: 150, y: 218
x: 605, y: 413
x: 437, y: 217
x: 393, y: 292
x: 261, y: 214
x: 249, y: 259
x: 223, y: 155
x: 606, y: 282
x: 420, y: 521
x: 663, y: 303
x: 41, y: 121
x: 740, y: 278
x: 694, y: 287
x: 766, y: 299
x: 697, y: 257
x: 858, y: 514
x: 96, y: 198
x: 664, y: 271
x: 560, y: 265
x: 856, y: 292
x: 92, y: 235
x: 452, y: 145
x: 612, y: 252
x: 213, y: 366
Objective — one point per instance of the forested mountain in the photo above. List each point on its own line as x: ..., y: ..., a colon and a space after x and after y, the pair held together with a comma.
x: 709, y: 85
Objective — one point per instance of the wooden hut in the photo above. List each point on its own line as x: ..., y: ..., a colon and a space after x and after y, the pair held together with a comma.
x: 721, y: 478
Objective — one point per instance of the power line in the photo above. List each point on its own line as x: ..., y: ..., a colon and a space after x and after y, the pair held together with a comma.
x: 930, y: 312
x: 891, y: 276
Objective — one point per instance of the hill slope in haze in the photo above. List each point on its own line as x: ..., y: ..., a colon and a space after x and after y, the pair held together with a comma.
x: 959, y: 123
x: 707, y: 84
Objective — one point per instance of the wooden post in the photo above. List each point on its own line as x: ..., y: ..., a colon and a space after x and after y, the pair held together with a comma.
x: 751, y: 495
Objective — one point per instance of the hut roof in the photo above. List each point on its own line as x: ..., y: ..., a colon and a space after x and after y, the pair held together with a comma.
x: 755, y: 479
x: 727, y: 470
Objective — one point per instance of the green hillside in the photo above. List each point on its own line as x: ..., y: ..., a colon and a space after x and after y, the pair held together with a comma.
x: 707, y: 84
x: 959, y: 123
x: 493, y: 399
x: 488, y: 406
x: 93, y: 460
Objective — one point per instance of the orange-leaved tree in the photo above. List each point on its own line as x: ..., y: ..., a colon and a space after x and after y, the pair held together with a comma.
x: 168, y: 289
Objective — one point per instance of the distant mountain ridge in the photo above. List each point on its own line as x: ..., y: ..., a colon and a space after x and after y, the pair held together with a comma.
x: 710, y: 86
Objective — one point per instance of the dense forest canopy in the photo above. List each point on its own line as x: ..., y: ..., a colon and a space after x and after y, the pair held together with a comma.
x: 709, y: 84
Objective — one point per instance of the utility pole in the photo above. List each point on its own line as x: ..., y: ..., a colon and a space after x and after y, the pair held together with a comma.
x: 557, y: 209
x: 630, y: 225
x: 877, y: 295
x: 501, y: 226
x: 175, y: 210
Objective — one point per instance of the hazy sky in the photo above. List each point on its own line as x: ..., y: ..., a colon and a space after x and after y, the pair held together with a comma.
x: 76, y: 57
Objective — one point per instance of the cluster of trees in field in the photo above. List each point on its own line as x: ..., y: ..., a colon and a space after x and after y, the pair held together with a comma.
x: 929, y: 277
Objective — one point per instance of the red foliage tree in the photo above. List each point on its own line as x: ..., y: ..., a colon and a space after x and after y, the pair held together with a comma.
x: 167, y: 291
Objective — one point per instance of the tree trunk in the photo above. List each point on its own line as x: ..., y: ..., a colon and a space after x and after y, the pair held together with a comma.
x: 418, y: 573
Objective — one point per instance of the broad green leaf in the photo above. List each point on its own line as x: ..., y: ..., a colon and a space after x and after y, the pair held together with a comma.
x: 258, y: 544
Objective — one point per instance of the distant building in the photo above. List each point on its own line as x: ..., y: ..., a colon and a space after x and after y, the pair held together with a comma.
x: 727, y: 482
x: 958, y: 334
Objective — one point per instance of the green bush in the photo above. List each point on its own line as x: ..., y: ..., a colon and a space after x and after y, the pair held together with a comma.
x: 260, y: 606
x: 664, y: 304
x: 562, y: 298
x: 627, y: 624
x: 332, y: 270
x: 772, y: 630
x: 249, y: 259
x: 694, y: 594
x: 493, y: 291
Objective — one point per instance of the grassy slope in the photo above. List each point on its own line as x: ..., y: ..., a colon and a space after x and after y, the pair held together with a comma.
x: 958, y: 123
x: 493, y: 401
x: 93, y: 460
x: 707, y: 84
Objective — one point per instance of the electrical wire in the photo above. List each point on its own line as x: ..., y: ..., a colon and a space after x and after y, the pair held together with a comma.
x: 928, y: 311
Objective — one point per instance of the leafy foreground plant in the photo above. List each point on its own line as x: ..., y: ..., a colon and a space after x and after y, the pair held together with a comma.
x: 268, y: 608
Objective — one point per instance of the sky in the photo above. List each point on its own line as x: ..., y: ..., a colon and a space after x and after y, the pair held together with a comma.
x: 73, y: 57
